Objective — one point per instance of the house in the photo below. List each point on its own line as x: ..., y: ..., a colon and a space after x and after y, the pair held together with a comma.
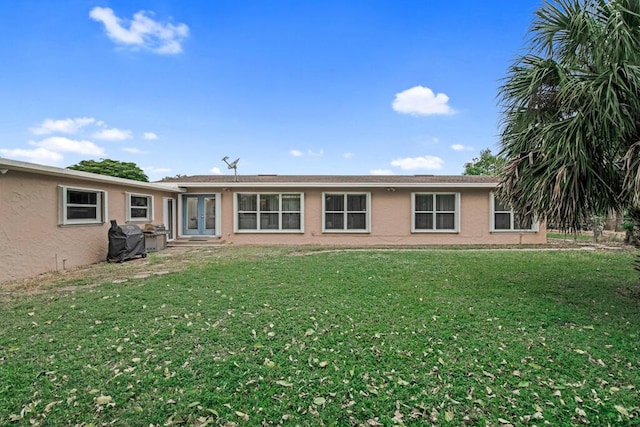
x: 53, y: 219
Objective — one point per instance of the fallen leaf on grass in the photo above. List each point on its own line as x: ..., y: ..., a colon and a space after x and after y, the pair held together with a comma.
x: 449, y: 415
x: 242, y: 415
x: 103, y: 400
x: 319, y: 401
x: 622, y: 410
x: 284, y: 383
x: 51, y: 405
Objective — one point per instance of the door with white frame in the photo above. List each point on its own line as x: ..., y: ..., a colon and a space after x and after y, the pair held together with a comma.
x: 169, y: 216
x: 199, y: 214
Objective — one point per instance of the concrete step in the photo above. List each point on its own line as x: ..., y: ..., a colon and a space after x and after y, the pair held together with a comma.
x: 195, y: 242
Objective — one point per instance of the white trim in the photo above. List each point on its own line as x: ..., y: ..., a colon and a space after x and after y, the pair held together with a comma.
x: 456, y: 213
x: 367, y: 229
x: 535, y: 226
x: 101, y: 206
x: 165, y: 217
x: 279, y: 230
x: 149, y: 207
x: 337, y: 185
x: 93, y: 177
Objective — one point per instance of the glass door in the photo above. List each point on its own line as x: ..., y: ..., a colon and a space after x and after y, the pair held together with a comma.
x: 199, y: 215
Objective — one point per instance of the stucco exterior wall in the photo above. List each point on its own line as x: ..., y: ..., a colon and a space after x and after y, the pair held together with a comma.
x: 390, y: 220
x: 32, y: 242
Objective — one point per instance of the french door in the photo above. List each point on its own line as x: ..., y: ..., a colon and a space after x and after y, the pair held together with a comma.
x: 199, y: 214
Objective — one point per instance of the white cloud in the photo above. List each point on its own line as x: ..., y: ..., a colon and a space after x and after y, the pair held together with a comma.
x: 421, y: 101
x: 142, y: 32
x: 348, y: 155
x: 216, y: 171
x: 69, y: 126
x: 424, y: 162
x: 134, y: 150
x: 112, y: 134
x: 61, y: 143
x: 382, y: 172
x: 310, y: 153
x: 150, y: 136
x: 40, y: 155
x: 460, y: 147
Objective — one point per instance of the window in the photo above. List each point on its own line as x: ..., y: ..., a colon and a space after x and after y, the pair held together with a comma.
x: 81, y: 206
x: 503, y: 218
x: 348, y: 212
x: 139, y: 207
x: 269, y: 212
x: 435, y: 212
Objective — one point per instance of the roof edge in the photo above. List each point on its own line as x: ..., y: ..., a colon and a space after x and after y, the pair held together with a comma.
x: 338, y: 184
x: 17, y: 165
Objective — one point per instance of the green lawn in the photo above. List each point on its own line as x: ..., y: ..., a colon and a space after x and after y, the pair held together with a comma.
x: 269, y: 337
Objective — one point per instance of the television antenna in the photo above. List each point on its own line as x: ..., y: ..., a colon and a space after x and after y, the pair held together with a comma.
x: 233, y: 165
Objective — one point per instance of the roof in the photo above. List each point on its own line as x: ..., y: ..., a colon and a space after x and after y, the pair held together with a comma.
x: 335, y: 181
x: 7, y: 165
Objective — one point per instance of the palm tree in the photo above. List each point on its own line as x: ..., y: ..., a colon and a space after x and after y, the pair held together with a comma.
x: 571, y: 113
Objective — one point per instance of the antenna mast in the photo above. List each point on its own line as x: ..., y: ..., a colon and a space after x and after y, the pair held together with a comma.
x: 233, y: 165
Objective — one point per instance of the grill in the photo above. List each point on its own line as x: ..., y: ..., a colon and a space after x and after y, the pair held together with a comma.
x: 155, y: 237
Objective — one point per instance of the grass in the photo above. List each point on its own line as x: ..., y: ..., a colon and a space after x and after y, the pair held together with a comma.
x: 269, y: 336
x: 607, y: 236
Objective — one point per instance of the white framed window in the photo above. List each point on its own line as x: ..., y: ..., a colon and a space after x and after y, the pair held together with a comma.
x: 139, y: 207
x: 504, y: 219
x: 81, y: 205
x: 269, y: 212
x: 435, y: 212
x: 346, y: 212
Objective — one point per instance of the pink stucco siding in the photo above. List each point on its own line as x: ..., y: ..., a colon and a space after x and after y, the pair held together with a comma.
x: 390, y: 220
x: 32, y: 241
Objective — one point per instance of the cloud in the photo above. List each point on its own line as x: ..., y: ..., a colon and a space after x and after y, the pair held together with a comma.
x: 134, y: 150
x: 150, y: 136
x: 143, y: 32
x: 382, y: 172
x: 425, y: 162
x: 216, y: 171
x: 40, y: 155
x: 61, y: 143
x: 460, y: 147
x: 69, y: 126
x: 310, y: 153
x: 348, y: 155
x: 421, y: 101
x: 112, y: 134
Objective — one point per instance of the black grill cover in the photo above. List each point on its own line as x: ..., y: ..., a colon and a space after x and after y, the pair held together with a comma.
x: 125, y: 242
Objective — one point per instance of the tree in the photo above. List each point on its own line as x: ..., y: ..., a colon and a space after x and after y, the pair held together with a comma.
x: 110, y: 167
x: 571, y: 111
x: 485, y: 164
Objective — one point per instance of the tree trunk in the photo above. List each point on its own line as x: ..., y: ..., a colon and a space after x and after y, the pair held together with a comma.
x: 632, y: 227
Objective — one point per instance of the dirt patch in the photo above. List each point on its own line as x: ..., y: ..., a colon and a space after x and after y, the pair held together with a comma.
x: 87, y: 277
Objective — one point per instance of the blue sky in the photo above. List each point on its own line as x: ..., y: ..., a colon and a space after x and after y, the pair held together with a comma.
x: 290, y: 87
